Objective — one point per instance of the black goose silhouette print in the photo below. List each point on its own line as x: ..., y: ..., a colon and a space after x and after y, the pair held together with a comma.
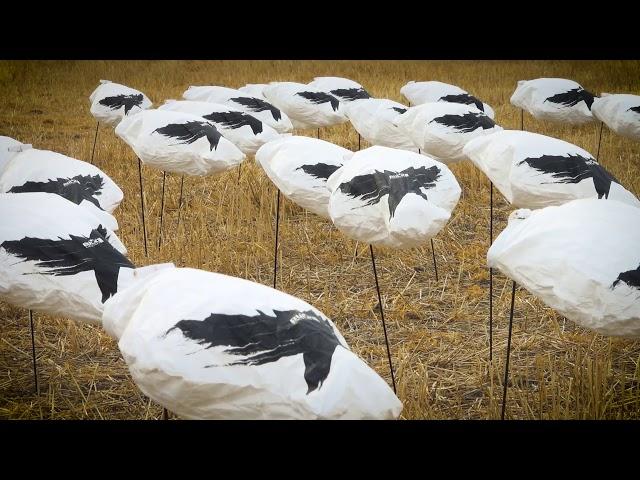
x: 465, y: 123
x: 318, y: 98
x: 572, y: 97
x: 262, y: 338
x: 573, y: 169
x: 75, y: 189
x: 373, y: 186
x: 319, y: 170
x: 64, y: 257
x: 258, y: 105
x: 235, y: 120
x: 118, y: 101
x: 351, y: 94
x: 630, y: 277
x: 191, y: 131
x: 399, y: 109
x: 635, y: 109
x: 463, y: 98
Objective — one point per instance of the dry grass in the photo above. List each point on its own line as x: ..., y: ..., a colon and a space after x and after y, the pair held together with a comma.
x: 438, y: 330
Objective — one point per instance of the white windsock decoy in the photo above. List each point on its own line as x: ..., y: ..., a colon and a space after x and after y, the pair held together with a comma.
x: 580, y: 258
x: 34, y: 170
x: 424, y: 92
x: 253, y: 105
x: 442, y: 129
x: 307, y: 107
x: 210, y: 346
x: 9, y: 147
x: 373, y: 119
x: 535, y: 171
x: 111, y: 102
x: 57, y: 257
x: 555, y: 100
x: 300, y: 166
x: 179, y: 142
x: 243, y: 130
x: 254, y: 89
x: 395, y: 198
x: 344, y: 89
x: 620, y: 112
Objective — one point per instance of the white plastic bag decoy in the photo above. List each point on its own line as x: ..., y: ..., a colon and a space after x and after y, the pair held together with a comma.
x: 619, y: 112
x: 111, y: 102
x: 210, y: 346
x: 390, y: 197
x: 373, y: 119
x: 581, y: 259
x: 300, y: 167
x: 179, y: 142
x: 425, y: 92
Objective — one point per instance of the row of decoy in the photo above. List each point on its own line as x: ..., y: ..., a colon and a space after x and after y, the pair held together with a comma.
x: 193, y: 342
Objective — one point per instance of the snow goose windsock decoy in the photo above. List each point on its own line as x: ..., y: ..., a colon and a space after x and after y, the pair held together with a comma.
x: 307, y: 107
x: 211, y: 346
x: 535, y: 171
x: 179, y: 142
x: 619, y: 112
x: 33, y: 170
x: 555, y: 100
x: 580, y: 258
x: 300, y: 166
x: 442, y: 129
x: 424, y: 92
x: 111, y: 102
x: 58, y: 258
x: 344, y: 89
x: 254, y: 89
x: 373, y: 119
x: 385, y: 196
x: 253, y: 105
x: 243, y: 130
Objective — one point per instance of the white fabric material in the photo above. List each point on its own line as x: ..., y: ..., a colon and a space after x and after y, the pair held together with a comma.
x: 571, y: 256
x: 75, y: 180
x: 204, y: 151
x: 50, y: 272
x: 426, y: 92
x: 254, y: 89
x: 535, y: 96
x: 245, y: 131
x: 442, y: 129
x: 300, y: 167
x: 336, y: 86
x: 187, y: 365
x: 617, y: 114
x: 111, y: 102
x: 378, y: 197
x: 373, y: 119
x: 6, y: 150
x: 503, y: 156
x: 305, y: 112
x: 260, y: 108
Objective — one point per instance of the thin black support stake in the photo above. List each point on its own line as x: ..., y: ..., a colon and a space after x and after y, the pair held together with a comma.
x: 144, y: 225
x: 93, y: 150
x: 358, y: 141
x: 521, y: 119
x: 435, y: 265
x: 491, y: 277
x: 33, y: 353
x: 164, y: 180
x: 506, y: 368
x: 599, y: 140
x: 239, y: 171
x: 318, y: 134
x: 165, y: 414
x: 180, y: 201
x: 275, y: 251
x: 384, y: 325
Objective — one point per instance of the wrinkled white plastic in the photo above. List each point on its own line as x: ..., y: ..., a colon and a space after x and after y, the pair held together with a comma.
x: 197, y: 381
x: 7, y: 150
x: 284, y: 161
x: 424, y: 92
x: 615, y: 111
x: 373, y: 119
x: 254, y: 89
x: 106, y: 114
x: 570, y: 256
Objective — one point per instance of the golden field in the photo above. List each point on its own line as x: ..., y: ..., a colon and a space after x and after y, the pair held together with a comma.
x: 438, y: 330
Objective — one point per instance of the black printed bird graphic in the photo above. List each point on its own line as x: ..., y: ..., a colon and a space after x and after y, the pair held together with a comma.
x: 373, y: 186
x: 191, y: 131
x: 350, y: 94
x: 235, y: 120
x: 263, y: 338
x: 572, y: 97
x: 465, y: 123
x: 630, y: 277
x: 635, y: 109
x: 573, y: 169
x: 319, y: 170
x: 126, y: 101
x: 75, y: 189
x: 318, y: 98
x: 399, y: 109
x: 463, y: 98
x: 64, y: 257
x: 258, y: 105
